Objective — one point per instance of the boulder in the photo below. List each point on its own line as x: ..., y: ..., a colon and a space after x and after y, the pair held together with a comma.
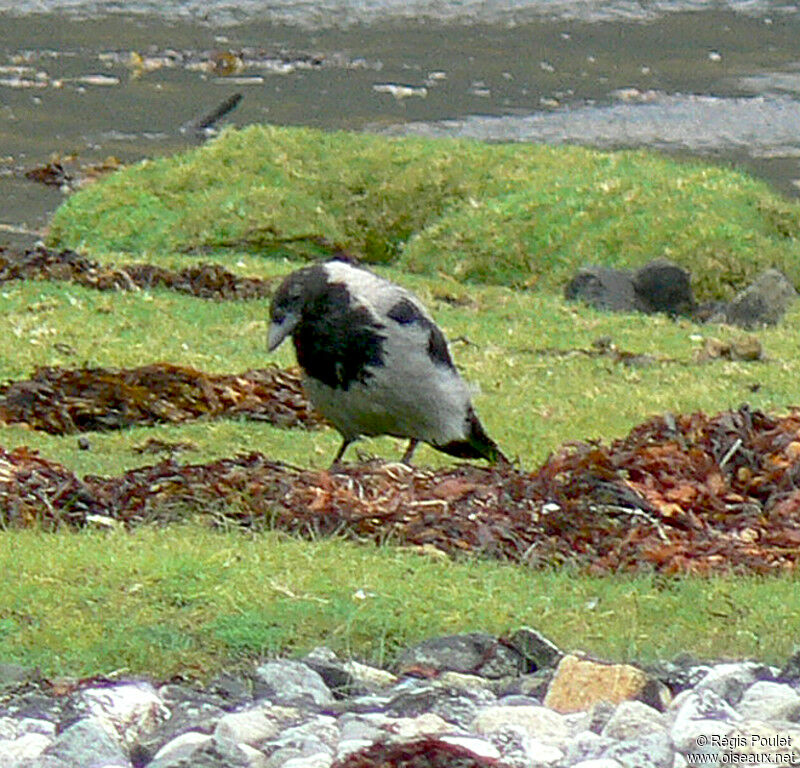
x: 763, y: 302
x: 603, y: 288
x: 662, y: 286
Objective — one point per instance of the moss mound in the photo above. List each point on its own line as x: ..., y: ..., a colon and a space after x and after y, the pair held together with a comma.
x: 504, y: 214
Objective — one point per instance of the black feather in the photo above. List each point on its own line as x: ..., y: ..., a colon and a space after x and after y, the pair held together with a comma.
x: 335, y: 342
x: 476, y: 445
x: 406, y: 312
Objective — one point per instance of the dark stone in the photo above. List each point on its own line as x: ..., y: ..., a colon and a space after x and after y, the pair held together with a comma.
x: 475, y: 653
x: 791, y: 670
x: 453, y: 705
x: 763, y: 302
x: 333, y: 673
x: 540, y: 652
x: 603, y: 288
x: 683, y: 672
x: 662, y: 286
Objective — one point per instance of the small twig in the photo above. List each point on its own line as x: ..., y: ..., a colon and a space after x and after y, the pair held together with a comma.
x: 203, y: 127
x: 636, y: 512
x: 729, y: 453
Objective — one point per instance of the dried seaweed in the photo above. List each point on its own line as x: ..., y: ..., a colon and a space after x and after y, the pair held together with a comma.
x: 688, y: 493
x: 65, y: 401
x: 206, y: 281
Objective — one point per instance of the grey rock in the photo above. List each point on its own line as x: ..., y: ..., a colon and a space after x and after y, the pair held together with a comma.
x: 663, y: 286
x: 475, y: 653
x: 634, y: 718
x: 790, y: 673
x: 765, y: 700
x: 292, y: 683
x: 539, y: 723
x: 456, y: 706
x: 603, y: 288
x: 44, y: 761
x: 358, y: 731
x: 333, y: 672
x: 729, y: 681
x: 250, y: 726
x: 599, y: 762
x: 599, y: 715
x: 320, y: 760
x: 763, y: 302
x: 682, y: 672
x: 14, y: 674
x: 25, y: 746
x: 319, y: 735
x: 586, y: 745
x: 194, y: 714
x: 518, y: 700
x: 700, y: 713
x: 654, y: 749
x: 200, y: 751
x: 88, y: 744
x: 535, y: 648
x: 533, y: 685
x: 228, y: 690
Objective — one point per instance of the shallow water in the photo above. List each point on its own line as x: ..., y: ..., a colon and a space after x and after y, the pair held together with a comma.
x: 721, y: 81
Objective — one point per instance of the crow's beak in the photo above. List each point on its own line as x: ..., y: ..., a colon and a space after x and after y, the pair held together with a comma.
x: 279, y: 330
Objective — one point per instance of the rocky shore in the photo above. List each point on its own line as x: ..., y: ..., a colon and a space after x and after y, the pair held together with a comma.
x: 464, y: 700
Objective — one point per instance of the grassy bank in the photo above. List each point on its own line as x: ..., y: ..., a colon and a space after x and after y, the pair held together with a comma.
x: 186, y: 600
x: 518, y: 215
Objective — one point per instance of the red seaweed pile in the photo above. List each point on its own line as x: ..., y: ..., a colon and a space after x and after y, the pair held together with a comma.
x: 64, y: 401
x: 680, y: 494
x: 205, y: 281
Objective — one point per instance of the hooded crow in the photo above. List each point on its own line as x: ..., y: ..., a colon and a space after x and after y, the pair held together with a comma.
x: 375, y: 362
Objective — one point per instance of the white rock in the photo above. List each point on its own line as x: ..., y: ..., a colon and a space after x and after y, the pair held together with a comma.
x: 347, y: 746
x: 183, y: 745
x: 36, y: 725
x: 632, y: 719
x: 764, y: 700
x: 293, y: 683
x: 410, y: 728
x: 250, y: 726
x: 479, y: 747
x: 130, y: 709
x: 9, y: 727
x: 539, y: 723
x: 255, y: 758
x: 28, y: 745
x: 540, y: 753
x: 369, y: 677
x: 318, y: 760
x: 598, y: 762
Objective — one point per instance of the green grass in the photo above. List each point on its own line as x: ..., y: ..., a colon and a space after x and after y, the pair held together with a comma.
x: 504, y: 214
x: 183, y: 599
x: 499, y: 340
x: 464, y: 225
